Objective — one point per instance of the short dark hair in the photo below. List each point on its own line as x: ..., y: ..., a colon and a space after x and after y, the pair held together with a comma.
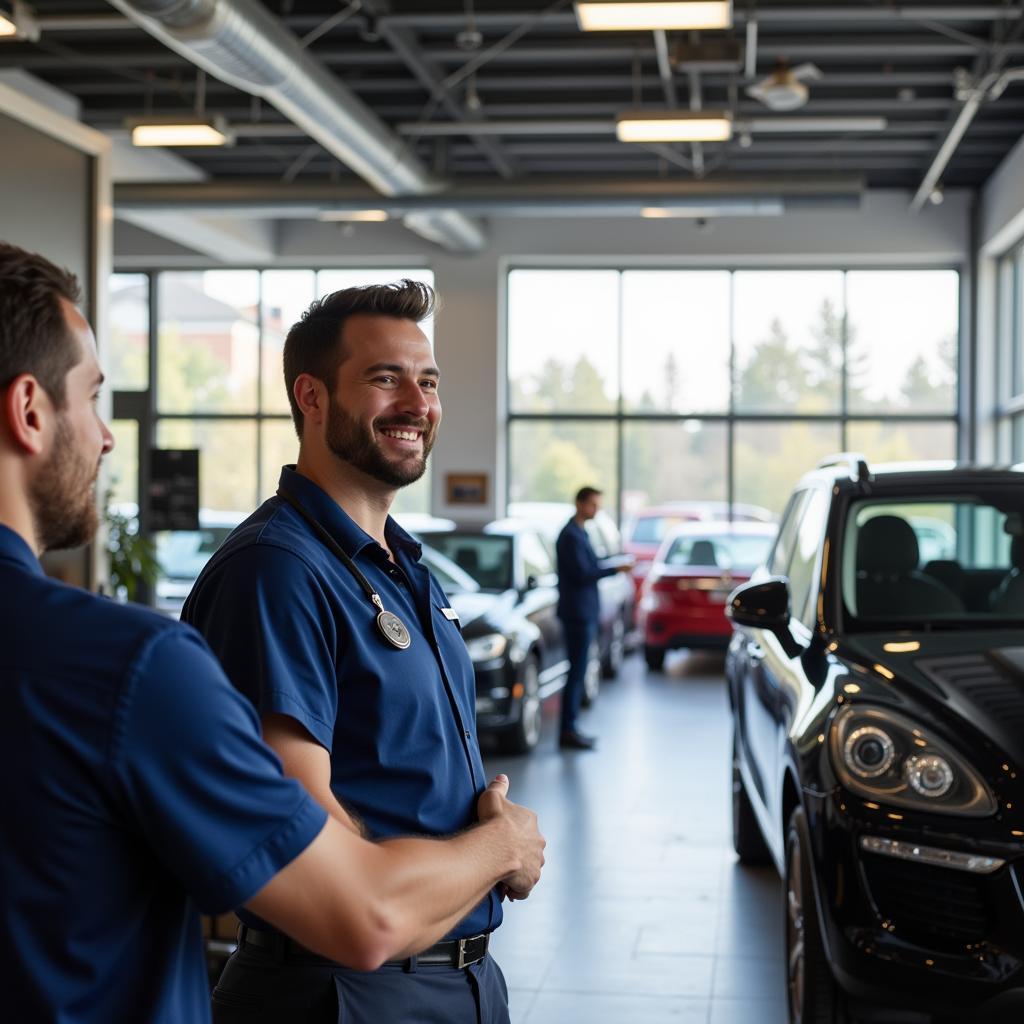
x: 314, y: 345
x: 586, y: 493
x: 34, y: 334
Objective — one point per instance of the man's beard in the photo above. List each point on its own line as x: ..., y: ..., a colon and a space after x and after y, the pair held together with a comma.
x: 62, y: 499
x: 354, y: 443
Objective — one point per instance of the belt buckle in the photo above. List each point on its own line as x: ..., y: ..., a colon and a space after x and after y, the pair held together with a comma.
x: 465, y: 961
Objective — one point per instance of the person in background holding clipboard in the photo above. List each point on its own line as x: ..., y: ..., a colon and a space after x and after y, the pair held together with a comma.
x: 321, y: 613
x: 579, y: 608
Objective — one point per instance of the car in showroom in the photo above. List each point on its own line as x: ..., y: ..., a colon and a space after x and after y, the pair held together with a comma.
x: 878, y: 743
x: 682, y: 603
x: 615, y: 592
x: 644, y: 532
x: 508, y: 616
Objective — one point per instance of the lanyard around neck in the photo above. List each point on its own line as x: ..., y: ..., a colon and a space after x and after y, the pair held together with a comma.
x: 390, y: 625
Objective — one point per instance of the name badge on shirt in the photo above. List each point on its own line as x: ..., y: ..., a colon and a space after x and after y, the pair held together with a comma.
x: 451, y: 615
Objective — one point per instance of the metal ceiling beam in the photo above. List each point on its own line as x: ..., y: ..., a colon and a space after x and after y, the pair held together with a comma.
x: 405, y: 44
x: 987, y: 70
x: 467, y: 194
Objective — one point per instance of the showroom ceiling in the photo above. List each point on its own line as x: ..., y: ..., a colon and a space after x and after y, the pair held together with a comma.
x: 500, y: 91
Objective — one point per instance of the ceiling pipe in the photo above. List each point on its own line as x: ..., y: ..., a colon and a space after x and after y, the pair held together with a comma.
x: 552, y: 197
x: 241, y: 43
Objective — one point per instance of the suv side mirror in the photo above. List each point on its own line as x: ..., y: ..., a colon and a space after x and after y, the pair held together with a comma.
x: 763, y: 605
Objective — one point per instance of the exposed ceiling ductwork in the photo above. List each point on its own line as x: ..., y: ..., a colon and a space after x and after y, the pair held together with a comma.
x: 243, y: 45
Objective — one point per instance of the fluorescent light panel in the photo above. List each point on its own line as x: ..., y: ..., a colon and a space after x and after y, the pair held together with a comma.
x: 641, y: 16
x: 727, y: 208
x: 182, y: 132
x: 7, y: 27
x: 358, y: 216
x: 673, y: 126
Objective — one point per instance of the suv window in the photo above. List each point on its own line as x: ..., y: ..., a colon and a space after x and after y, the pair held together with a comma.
x: 803, y: 581
x: 779, y: 563
x: 948, y: 560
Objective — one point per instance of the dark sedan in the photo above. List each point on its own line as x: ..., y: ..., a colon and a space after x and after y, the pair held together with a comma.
x: 878, y: 706
x: 511, y: 628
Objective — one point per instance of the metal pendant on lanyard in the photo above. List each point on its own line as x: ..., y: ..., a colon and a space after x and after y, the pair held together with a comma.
x: 391, y: 627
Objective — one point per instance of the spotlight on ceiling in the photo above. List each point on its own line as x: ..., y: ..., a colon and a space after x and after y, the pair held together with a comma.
x: 652, y: 15
x: 674, y: 126
x: 180, y: 131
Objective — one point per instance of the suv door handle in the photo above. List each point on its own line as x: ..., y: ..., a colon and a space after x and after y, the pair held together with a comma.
x: 755, y: 652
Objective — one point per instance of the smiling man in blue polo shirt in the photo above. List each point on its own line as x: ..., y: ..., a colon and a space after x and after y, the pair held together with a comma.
x: 321, y: 613
x: 134, y: 786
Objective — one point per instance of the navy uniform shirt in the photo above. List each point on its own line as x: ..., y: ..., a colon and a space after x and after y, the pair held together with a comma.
x: 134, y: 789
x: 297, y: 634
x: 579, y: 569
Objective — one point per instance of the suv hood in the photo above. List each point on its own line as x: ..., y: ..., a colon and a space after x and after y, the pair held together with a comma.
x: 978, y: 676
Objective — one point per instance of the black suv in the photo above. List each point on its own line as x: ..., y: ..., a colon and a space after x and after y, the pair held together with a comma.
x: 876, y: 678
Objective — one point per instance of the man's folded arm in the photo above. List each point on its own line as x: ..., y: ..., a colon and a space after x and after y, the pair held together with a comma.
x: 363, y: 903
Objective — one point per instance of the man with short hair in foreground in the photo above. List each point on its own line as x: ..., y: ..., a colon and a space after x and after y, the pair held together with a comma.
x: 135, y: 790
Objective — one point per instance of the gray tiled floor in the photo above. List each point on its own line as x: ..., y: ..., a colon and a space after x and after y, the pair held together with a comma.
x: 643, y: 915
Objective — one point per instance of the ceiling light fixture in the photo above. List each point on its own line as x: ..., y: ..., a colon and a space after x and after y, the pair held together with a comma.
x: 674, y: 126
x: 725, y: 208
x: 355, y: 216
x: 652, y: 15
x: 180, y: 131
x: 18, y: 22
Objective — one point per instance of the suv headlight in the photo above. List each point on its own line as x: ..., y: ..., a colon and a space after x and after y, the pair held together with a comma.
x: 883, y: 755
x: 485, y: 648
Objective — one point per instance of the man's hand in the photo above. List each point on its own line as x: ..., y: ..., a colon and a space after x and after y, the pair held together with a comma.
x: 526, y: 839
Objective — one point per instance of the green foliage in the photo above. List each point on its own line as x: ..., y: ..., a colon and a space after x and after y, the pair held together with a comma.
x: 132, y: 559
x: 665, y: 461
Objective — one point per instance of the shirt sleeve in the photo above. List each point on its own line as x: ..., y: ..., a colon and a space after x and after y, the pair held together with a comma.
x: 265, y: 616
x: 206, y: 792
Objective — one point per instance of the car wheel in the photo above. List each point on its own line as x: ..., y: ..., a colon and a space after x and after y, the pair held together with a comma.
x: 592, y: 680
x: 812, y: 993
x: 655, y: 657
x: 747, y: 840
x: 524, y: 735
x: 611, y: 663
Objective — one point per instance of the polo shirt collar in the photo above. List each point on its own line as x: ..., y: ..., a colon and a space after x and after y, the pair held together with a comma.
x: 338, y: 523
x: 14, y: 548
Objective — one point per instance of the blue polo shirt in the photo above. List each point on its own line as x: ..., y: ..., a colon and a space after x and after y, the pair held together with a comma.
x: 135, y: 792
x: 297, y: 635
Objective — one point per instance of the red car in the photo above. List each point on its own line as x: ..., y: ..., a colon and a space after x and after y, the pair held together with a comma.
x: 643, y: 532
x: 682, y: 602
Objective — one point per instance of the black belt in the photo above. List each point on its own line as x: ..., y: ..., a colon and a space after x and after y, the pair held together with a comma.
x: 451, y: 953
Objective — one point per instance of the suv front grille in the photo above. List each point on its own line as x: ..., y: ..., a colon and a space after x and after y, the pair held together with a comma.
x: 931, y: 906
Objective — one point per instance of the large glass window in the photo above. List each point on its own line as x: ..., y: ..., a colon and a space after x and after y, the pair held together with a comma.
x: 675, y: 341
x: 563, y: 347
x: 126, y: 356
x: 789, y: 341
x: 722, y: 386
x: 902, y: 329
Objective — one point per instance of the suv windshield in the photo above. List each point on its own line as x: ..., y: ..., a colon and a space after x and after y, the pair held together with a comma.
x: 485, y: 557
x: 946, y: 561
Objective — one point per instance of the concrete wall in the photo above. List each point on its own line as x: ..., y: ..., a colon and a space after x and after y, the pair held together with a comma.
x: 45, y: 203
x: 470, y: 345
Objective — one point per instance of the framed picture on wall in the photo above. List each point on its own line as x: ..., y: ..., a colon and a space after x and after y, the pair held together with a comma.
x: 465, y: 488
